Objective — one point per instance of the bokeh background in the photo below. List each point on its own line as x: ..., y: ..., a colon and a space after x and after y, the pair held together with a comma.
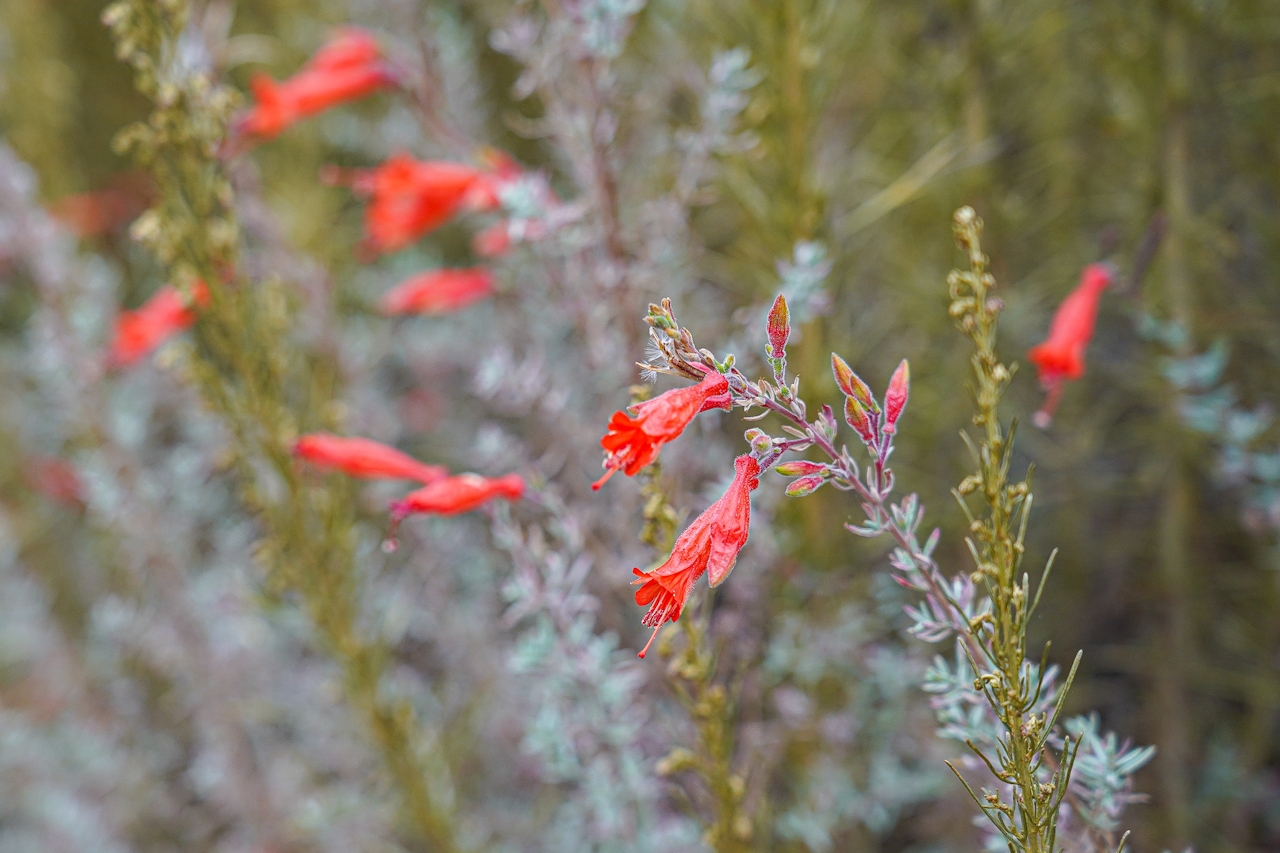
x: 156, y: 694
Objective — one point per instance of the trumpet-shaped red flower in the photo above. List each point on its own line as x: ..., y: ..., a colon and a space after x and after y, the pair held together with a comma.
x: 460, y: 493
x: 1061, y: 356
x: 349, y: 67
x: 410, y: 198
x: 363, y: 457
x: 438, y: 291
x: 711, y: 544
x: 166, y: 313
x: 632, y: 442
x: 451, y: 496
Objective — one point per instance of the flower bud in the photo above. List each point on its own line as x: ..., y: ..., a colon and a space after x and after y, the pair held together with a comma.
x: 851, y: 385
x: 856, y: 417
x: 805, y: 485
x: 895, y: 398
x: 779, y: 327
x: 800, y: 467
x: 758, y: 439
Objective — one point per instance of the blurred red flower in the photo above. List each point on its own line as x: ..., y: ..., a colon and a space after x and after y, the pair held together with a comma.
x: 711, y: 544
x: 411, y: 198
x: 55, y: 479
x: 457, y: 494
x: 364, y: 457
x: 166, y: 313
x: 99, y: 212
x: 438, y: 291
x: 349, y: 67
x: 1061, y: 356
x: 633, y: 442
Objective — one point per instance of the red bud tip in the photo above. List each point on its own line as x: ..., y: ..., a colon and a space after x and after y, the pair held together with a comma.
x: 779, y: 327
x: 851, y: 384
x: 895, y: 398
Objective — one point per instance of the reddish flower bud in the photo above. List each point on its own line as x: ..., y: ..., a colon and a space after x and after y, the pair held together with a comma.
x: 779, y: 327
x: 851, y: 385
x: 805, y: 485
x: 758, y: 439
x: 164, y: 315
x: 895, y: 398
x: 632, y: 442
x: 799, y: 467
x: 363, y: 457
x: 857, y: 417
x: 710, y: 544
x: 437, y: 291
x: 347, y: 68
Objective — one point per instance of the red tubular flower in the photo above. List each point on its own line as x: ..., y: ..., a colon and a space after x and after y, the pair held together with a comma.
x: 166, y: 313
x: 461, y: 493
x: 1061, y: 356
x: 438, y: 291
x: 363, y: 457
x: 450, y: 496
x: 711, y: 544
x: 411, y: 198
x: 349, y: 67
x: 633, y: 442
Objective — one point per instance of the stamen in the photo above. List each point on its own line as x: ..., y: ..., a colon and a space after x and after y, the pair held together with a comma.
x: 652, y: 637
x: 609, y: 472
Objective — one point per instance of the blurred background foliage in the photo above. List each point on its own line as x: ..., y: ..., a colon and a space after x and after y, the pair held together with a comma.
x: 1070, y: 126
